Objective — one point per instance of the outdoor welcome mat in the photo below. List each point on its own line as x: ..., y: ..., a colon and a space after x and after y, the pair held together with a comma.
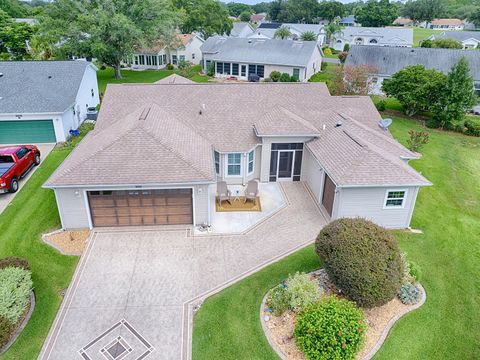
x: 239, y: 204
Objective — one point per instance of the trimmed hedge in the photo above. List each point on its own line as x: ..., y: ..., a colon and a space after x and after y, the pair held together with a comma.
x: 13, y: 261
x: 472, y: 127
x: 330, y: 329
x: 362, y: 259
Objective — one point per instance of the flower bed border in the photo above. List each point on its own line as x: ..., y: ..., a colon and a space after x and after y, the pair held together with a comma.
x: 378, y: 344
x: 22, y: 325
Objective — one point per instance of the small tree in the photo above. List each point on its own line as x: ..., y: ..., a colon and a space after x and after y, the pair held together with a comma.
x: 245, y: 16
x: 282, y: 33
x: 346, y: 47
x: 333, y: 29
x: 456, y: 97
x: 342, y: 56
x: 353, y: 80
x: 308, y: 36
x: 415, y: 87
x: 416, y: 139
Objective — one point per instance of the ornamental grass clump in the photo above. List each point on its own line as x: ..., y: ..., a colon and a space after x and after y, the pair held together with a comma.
x: 330, y: 329
x: 15, y: 286
x: 362, y: 259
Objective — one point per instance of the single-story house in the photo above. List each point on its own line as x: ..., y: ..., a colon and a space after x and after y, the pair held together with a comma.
x: 258, y: 18
x: 469, y: 39
x: 401, y: 21
x: 391, y: 36
x: 41, y: 101
x: 349, y: 21
x: 389, y: 60
x: 185, y: 48
x: 446, y: 24
x: 240, y: 57
x: 241, y: 30
x: 198, y: 134
x: 267, y: 31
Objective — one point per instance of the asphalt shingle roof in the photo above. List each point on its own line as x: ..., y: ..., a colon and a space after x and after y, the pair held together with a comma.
x: 458, y: 35
x: 39, y: 86
x: 389, y: 60
x: 260, y: 51
x: 176, y: 128
x: 384, y: 36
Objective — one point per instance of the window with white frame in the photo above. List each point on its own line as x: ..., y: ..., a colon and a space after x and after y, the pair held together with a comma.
x: 234, y: 164
x: 395, y: 198
x: 217, y: 162
x: 251, y: 161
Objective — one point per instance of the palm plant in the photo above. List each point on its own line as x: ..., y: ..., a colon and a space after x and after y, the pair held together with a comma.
x: 308, y: 36
x: 283, y: 33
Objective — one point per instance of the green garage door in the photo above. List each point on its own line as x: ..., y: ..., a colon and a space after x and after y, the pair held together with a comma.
x: 26, y: 131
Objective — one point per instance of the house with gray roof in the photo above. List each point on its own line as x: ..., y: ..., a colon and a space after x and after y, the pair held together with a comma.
x: 349, y: 21
x: 469, y: 39
x: 388, y: 36
x: 386, y: 61
x: 158, y: 150
x: 42, y: 101
x: 267, y: 31
x: 241, y: 29
x: 242, y: 57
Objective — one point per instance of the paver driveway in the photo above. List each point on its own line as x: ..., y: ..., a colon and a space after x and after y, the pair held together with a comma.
x: 131, y: 293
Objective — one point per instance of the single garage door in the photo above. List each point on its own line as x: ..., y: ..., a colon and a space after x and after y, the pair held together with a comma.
x: 328, y: 194
x: 141, y: 207
x: 27, y: 131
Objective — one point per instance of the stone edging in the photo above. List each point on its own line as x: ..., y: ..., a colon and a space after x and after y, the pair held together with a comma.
x: 44, y: 239
x: 377, y: 346
x: 24, y: 323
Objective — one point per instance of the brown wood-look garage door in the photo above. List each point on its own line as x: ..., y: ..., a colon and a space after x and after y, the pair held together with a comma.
x: 141, y: 207
x: 328, y: 194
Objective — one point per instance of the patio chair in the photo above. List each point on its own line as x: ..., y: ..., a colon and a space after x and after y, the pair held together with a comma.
x: 251, y: 192
x: 223, y: 194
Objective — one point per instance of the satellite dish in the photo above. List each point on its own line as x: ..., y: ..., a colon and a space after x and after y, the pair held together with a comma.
x: 385, y: 123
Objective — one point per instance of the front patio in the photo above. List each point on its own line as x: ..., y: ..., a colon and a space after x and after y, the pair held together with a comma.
x: 271, y: 198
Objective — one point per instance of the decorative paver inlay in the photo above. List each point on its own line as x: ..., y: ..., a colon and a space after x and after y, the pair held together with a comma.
x: 120, y: 342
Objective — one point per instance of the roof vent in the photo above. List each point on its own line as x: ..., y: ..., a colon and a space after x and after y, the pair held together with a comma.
x: 339, y: 123
x: 1, y: 74
x: 49, y: 76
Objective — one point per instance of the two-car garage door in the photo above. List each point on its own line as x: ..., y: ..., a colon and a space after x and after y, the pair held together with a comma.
x: 26, y: 131
x: 141, y: 207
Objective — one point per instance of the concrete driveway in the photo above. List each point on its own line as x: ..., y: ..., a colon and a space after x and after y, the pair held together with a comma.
x: 133, y: 292
x: 6, y: 199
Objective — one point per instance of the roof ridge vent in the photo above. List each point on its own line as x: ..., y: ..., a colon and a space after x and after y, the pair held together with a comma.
x: 144, y: 113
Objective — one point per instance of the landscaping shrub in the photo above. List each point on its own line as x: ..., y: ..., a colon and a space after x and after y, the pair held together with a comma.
x: 362, y: 259
x: 472, y: 127
x: 13, y: 261
x: 295, y: 294
x: 409, y: 294
x: 381, y: 105
x: 411, y: 271
x: 170, y: 67
x: 346, y: 47
x: 416, y: 139
x: 6, y: 329
x: 285, y: 77
x: 327, y: 51
x: 330, y: 329
x: 211, y: 69
x: 275, y: 76
x: 15, y: 287
x: 342, y: 56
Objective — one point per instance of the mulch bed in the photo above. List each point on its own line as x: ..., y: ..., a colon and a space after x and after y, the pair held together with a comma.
x: 68, y: 242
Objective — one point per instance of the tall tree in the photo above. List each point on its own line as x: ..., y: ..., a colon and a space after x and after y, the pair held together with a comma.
x: 457, y: 96
x: 423, y: 10
x: 276, y: 7
x: 474, y: 17
x: 301, y: 11
x: 245, y: 16
x: 14, y: 8
x: 208, y: 17
x: 110, y: 30
x: 329, y: 10
x: 14, y: 38
x: 377, y: 13
x: 333, y: 29
x: 235, y: 9
x: 283, y: 33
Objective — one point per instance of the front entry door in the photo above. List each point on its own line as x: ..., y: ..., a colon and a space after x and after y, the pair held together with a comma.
x: 285, y: 164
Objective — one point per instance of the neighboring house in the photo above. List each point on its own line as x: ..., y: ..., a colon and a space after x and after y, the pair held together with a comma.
x: 186, y: 48
x: 41, y: 101
x: 349, y: 21
x: 241, y: 29
x: 391, y: 36
x: 389, y: 60
x: 258, y: 18
x: 244, y: 57
x: 267, y: 31
x: 174, y: 79
x: 446, y: 24
x: 469, y: 39
x: 174, y: 142
x: 401, y: 21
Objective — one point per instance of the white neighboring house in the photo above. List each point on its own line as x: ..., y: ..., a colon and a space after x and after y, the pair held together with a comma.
x: 240, y: 58
x: 446, y: 24
x: 45, y: 99
x: 391, y: 36
x: 267, y: 31
x: 389, y: 60
x: 187, y: 49
x: 469, y: 39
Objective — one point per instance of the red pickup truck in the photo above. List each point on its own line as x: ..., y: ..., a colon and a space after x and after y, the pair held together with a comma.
x: 15, y: 163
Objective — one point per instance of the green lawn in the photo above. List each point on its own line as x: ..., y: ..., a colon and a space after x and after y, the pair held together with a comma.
x: 448, y: 255
x: 146, y: 76
x: 33, y: 212
x: 325, y: 75
x: 420, y: 34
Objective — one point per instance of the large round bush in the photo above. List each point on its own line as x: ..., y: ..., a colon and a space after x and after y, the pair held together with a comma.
x: 330, y: 329
x: 362, y: 259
